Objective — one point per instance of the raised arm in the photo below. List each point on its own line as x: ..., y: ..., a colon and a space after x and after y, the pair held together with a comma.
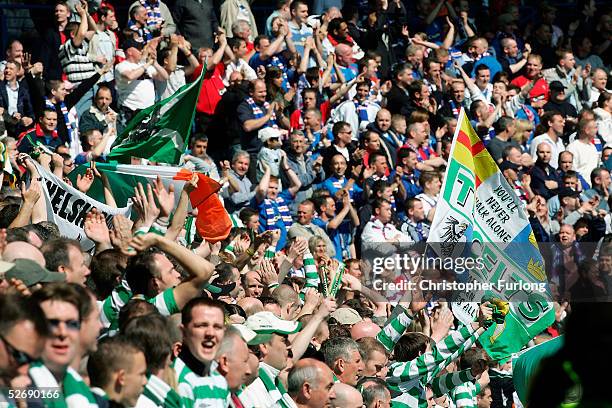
x: 294, y: 180
x: 262, y: 188
x: 198, y: 268
x: 254, y: 124
x: 450, y: 35
x: 78, y: 38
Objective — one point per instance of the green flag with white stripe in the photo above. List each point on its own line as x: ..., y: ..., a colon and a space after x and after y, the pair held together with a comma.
x: 160, y: 132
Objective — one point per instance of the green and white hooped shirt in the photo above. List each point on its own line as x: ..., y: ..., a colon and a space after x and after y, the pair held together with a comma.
x: 74, y: 392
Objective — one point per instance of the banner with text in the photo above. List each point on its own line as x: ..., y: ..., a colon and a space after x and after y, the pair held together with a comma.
x: 479, y: 215
x: 67, y: 207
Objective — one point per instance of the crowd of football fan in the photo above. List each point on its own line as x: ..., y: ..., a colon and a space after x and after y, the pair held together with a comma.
x: 330, y: 135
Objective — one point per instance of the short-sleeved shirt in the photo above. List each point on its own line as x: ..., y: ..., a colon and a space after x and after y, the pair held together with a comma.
x: 212, y: 89
x: 249, y: 140
x: 138, y: 93
x: 275, y: 215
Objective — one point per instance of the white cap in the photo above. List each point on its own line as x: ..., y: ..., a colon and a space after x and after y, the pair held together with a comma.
x: 268, y: 133
x: 267, y: 323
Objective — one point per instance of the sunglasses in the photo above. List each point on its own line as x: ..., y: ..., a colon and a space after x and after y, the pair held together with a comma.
x: 70, y: 324
x: 21, y: 358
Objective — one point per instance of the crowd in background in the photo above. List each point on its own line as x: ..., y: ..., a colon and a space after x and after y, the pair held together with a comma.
x: 329, y: 126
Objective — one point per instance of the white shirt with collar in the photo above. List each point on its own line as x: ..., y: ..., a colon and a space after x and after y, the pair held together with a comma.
x: 13, y: 97
x: 376, y: 237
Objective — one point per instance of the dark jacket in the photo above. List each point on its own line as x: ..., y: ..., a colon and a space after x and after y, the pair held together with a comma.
x: 539, y: 174
x: 196, y: 21
x: 71, y: 100
x: 398, y: 101
x: 24, y: 105
x: 49, y: 53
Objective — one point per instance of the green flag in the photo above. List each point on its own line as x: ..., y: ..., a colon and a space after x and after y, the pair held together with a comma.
x: 160, y: 132
x: 479, y: 215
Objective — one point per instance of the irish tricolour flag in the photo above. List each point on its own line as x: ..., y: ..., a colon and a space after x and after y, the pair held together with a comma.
x: 212, y: 223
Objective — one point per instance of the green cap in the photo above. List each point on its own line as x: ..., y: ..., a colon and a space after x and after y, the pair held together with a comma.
x: 31, y: 273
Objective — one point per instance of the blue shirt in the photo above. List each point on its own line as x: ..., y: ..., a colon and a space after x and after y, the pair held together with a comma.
x: 342, y: 237
x: 275, y: 215
x: 333, y: 184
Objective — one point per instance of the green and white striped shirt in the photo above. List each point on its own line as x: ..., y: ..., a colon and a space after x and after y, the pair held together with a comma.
x: 311, y: 273
x: 210, y: 391
x: 267, y: 391
x: 157, y: 393
x: 395, y: 328
x: 446, y: 382
x: 464, y: 395
x: 410, y: 378
x: 74, y: 392
x: 110, y: 307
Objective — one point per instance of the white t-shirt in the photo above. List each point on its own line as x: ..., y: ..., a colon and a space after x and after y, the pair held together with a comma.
x: 586, y: 158
x: 555, y: 148
x: 136, y: 94
x: 168, y: 87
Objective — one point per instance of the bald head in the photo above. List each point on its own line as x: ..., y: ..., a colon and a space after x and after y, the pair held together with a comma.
x: 288, y: 299
x: 311, y: 383
x: 23, y: 250
x: 251, y: 305
x: 364, y: 329
x: 343, y: 50
x: 347, y: 396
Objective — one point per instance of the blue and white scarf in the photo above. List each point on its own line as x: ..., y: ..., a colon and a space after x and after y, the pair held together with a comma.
x: 143, y: 35
x: 154, y: 16
x: 71, y: 126
x: 362, y: 110
x: 258, y: 113
x: 276, y: 62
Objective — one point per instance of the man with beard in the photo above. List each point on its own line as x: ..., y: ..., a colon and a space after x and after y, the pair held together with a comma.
x: 23, y: 331
x: 199, y: 382
x: 273, y: 351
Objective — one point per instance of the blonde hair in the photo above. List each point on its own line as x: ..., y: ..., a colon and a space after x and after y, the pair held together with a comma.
x: 523, y: 130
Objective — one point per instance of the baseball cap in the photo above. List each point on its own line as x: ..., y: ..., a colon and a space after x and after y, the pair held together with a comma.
x: 505, y: 165
x: 265, y: 324
x: 346, y: 315
x: 268, y: 133
x: 247, y: 334
x: 216, y: 289
x: 32, y: 273
x: 556, y: 86
x: 5, y: 266
x: 131, y: 43
x: 567, y: 192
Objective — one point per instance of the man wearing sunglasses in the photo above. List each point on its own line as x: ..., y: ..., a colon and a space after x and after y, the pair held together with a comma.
x: 53, y: 376
x: 23, y: 330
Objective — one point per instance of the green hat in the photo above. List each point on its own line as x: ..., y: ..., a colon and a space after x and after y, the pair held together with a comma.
x: 265, y: 324
x: 31, y: 273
